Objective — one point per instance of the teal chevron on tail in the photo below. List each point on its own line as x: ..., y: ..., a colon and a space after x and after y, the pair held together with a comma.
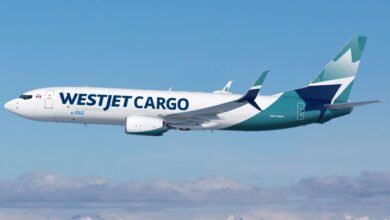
x: 342, y: 69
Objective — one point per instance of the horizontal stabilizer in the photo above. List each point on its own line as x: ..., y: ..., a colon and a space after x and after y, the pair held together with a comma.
x: 350, y: 104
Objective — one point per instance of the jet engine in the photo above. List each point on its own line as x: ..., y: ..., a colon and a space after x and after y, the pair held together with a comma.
x: 144, y: 125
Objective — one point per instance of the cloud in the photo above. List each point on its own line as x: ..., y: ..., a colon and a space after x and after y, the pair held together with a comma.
x: 250, y: 214
x: 369, y: 190
x: 366, y: 185
x: 48, y: 189
x: 367, y: 194
x: 86, y: 217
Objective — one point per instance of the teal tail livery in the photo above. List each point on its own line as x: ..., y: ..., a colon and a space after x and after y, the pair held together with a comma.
x: 154, y: 112
x: 342, y: 69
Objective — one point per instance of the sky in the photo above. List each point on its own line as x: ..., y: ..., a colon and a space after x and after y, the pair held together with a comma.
x: 192, y: 46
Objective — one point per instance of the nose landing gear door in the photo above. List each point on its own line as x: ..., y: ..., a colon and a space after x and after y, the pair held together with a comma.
x: 49, y: 99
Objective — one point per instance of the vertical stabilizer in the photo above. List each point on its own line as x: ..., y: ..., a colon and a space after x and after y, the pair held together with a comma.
x: 342, y: 69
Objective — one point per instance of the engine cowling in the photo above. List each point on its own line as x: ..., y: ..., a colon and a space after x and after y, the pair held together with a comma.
x: 144, y: 125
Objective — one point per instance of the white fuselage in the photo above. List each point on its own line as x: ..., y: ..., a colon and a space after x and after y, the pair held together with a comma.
x: 112, y: 106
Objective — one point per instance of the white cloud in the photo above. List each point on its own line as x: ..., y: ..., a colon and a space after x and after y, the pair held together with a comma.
x: 329, y: 197
x: 86, y: 217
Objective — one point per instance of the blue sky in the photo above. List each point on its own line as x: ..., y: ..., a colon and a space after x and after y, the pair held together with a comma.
x: 194, y: 46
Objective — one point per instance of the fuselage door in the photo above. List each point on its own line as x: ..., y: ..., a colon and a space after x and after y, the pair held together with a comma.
x: 300, y: 111
x: 49, y: 99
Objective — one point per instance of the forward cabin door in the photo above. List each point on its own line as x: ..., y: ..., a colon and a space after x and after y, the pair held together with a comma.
x: 49, y: 99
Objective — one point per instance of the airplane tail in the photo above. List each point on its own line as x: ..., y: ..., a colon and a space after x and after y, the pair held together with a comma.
x: 337, y: 77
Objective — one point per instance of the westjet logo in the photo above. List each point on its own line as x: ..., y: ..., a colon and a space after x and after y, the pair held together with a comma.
x: 124, y: 101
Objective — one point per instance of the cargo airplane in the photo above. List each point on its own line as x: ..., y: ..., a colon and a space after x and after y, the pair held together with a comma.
x: 151, y: 112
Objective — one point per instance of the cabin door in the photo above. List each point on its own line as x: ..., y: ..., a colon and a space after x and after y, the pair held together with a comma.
x: 49, y: 99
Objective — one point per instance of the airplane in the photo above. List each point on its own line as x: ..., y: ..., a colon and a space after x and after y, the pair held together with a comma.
x: 152, y: 112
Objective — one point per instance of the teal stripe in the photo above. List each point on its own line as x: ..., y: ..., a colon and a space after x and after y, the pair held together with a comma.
x: 155, y: 132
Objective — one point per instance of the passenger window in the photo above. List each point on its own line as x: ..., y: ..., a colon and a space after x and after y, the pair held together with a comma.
x: 25, y: 97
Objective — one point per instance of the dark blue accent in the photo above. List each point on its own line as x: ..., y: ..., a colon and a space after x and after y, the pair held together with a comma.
x: 108, y: 103
x: 318, y: 93
x: 126, y: 100
x: 185, y: 106
x: 160, y: 103
x: 82, y: 99
x: 317, y: 97
x: 116, y: 100
x: 251, y: 94
x: 136, y: 102
x: 68, y: 98
x: 101, y: 98
x: 254, y: 104
x: 149, y: 102
x: 250, y: 97
x: 91, y: 100
x: 173, y: 106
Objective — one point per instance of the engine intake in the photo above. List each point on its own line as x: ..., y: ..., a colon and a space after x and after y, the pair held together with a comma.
x: 144, y: 125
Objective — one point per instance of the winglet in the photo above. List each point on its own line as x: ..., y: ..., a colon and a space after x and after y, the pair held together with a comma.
x: 252, y: 93
x: 259, y: 82
x: 227, y: 86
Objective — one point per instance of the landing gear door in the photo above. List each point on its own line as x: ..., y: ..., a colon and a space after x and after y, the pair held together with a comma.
x: 49, y: 99
x: 300, y: 111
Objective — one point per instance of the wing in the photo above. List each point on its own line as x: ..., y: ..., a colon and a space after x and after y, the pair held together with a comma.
x: 199, y: 116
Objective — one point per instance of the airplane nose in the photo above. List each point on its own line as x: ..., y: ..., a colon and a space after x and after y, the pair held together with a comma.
x: 9, y: 106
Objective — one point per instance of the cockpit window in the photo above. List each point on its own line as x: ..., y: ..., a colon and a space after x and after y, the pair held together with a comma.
x: 25, y: 97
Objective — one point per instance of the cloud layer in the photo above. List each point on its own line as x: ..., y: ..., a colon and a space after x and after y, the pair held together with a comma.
x: 366, y: 194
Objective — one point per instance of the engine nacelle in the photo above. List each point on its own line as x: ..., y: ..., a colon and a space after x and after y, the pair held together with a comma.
x: 143, y: 125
